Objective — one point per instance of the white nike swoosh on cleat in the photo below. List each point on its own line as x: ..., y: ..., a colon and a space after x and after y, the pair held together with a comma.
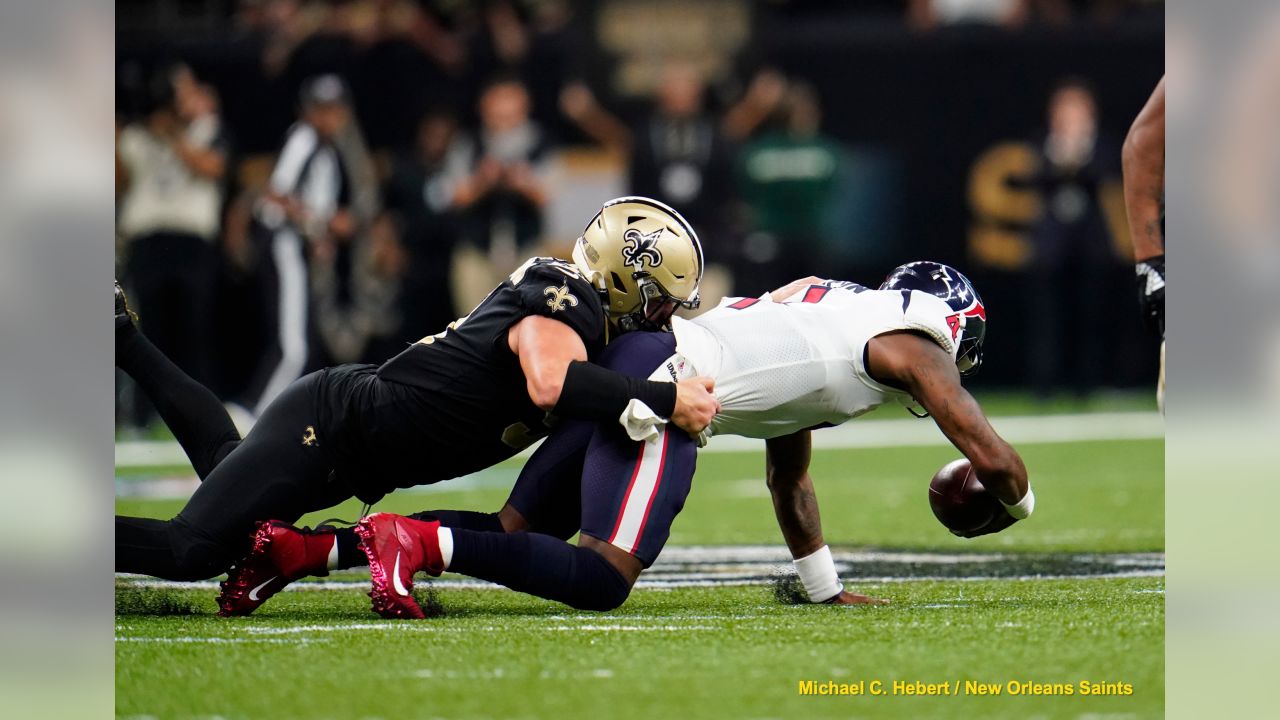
x: 395, y: 577
x: 253, y: 594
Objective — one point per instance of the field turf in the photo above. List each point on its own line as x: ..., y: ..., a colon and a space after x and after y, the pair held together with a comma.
x: 694, y: 652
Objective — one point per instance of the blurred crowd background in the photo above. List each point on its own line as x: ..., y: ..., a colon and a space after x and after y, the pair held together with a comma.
x: 309, y: 183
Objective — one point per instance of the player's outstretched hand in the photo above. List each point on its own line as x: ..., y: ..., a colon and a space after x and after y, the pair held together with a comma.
x: 695, y: 405
x: 999, y: 522
x: 847, y: 598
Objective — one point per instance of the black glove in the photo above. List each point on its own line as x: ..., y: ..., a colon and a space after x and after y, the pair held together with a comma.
x: 1150, y: 274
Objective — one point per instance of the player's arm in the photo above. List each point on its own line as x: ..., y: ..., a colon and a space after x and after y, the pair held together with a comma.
x: 560, y: 380
x: 1143, y: 162
x: 283, y: 182
x: 921, y: 367
x: 580, y: 105
x: 795, y: 504
x: 207, y: 162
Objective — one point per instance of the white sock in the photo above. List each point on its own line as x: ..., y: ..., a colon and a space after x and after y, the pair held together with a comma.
x: 332, y: 564
x: 445, y: 537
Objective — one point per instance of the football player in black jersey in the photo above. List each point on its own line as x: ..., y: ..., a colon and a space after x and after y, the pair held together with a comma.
x: 451, y: 404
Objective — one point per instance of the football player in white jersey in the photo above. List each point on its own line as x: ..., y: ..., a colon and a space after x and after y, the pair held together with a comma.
x: 810, y: 355
x: 817, y: 353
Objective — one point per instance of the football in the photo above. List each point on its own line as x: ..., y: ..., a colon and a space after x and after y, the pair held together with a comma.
x: 958, y: 499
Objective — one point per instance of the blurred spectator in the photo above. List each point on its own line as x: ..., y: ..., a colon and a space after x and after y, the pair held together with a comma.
x: 678, y: 153
x: 355, y: 279
x: 420, y: 200
x: 529, y: 39
x: 500, y: 200
x: 788, y: 177
x: 355, y: 293
x: 170, y: 167
x: 282, y: 25
x: 929, y: 14
x: 306, y: 207
x: 1072, y: 249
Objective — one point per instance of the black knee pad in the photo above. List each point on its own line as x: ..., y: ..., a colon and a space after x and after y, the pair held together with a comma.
x: 196, y: 556
x: 600, y: 586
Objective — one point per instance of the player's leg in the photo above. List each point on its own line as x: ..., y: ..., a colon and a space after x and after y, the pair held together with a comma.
x: 274, y: 473
x: 545, y: 499
x: 630, y: 493
x: 1160, y: 381
x: 191, y: 411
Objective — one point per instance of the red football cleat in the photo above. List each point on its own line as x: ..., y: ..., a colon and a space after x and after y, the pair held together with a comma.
x: 281, y: 554
x: 397, y: 547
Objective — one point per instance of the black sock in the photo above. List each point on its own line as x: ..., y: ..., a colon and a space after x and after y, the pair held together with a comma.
x: 190, y: 410
x: 540, y: 565
x: 350, y: 556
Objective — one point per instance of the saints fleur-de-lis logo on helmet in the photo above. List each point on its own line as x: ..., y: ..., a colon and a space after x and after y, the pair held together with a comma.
x: 558, y: 297
x: 645, y: 247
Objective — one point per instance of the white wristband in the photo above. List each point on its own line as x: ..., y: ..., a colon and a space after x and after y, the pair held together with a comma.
x: 1022, y: 509
x: 818, y: 575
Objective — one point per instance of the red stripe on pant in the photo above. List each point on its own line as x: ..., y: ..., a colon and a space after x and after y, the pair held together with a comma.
x: 625, y: 498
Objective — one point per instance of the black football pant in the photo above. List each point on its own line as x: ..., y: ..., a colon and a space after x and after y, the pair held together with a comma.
x: 282, y: 470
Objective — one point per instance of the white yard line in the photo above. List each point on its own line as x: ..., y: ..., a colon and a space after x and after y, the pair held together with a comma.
x: 715, y: 566
x: 694, y: 581
x: 188, y: 640
x: 857, y: 434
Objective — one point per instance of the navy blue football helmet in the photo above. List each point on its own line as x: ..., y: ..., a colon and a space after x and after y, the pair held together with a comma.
x: 970, y: 321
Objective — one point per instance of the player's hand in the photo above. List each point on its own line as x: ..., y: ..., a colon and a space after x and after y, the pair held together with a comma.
x: 696, y: 406
x: 999, y: 522
x: 342, y: 225
x: 847, y: 598
x: 577, y: 101
x: 1150, y: 276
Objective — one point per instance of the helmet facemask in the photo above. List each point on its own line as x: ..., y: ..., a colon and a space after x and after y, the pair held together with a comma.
x: 969, y: 357
x: 657, y: 306
x: 969, y: 351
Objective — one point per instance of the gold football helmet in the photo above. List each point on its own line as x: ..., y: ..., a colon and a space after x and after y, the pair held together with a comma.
x: 645, y: 257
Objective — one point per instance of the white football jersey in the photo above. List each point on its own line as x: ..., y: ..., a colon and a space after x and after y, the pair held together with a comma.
x: 781, y: 367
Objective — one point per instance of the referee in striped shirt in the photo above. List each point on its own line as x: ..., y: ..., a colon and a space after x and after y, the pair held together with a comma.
x: 305, y: 209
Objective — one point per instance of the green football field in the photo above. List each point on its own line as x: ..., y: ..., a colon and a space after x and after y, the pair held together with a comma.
x: 1074, y: 595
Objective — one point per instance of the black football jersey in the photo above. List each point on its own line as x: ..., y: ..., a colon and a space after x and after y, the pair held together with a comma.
x: 457, y: 402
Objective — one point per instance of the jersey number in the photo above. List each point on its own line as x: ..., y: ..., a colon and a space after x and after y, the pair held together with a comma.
x: 814, y: 294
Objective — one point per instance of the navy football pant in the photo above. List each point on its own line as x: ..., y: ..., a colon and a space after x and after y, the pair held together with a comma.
x: 592, y: 477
